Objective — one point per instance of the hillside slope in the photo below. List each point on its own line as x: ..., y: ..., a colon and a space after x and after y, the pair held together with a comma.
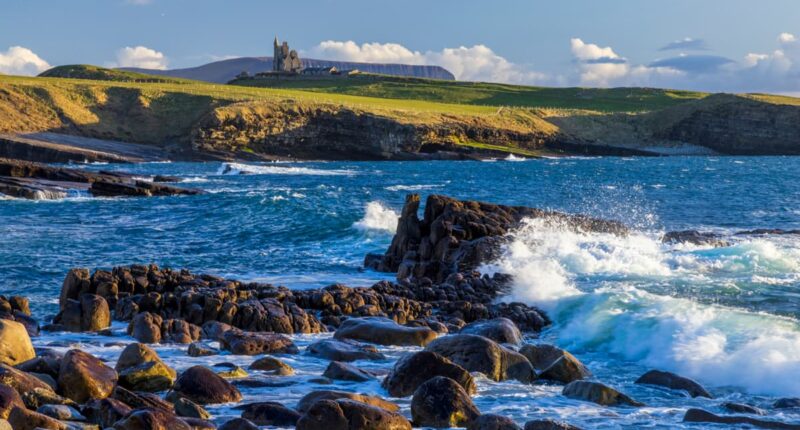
x: 226, y: 70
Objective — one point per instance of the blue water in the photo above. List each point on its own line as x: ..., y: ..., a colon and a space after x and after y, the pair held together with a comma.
x: 725, y: 316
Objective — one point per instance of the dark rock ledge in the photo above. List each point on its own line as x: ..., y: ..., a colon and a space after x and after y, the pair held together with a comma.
x: 29, y: 180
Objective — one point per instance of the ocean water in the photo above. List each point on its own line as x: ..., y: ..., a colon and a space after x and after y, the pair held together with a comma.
x: 727, y: 317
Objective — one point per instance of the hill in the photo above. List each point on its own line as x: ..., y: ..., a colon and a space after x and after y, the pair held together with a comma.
x: 85, y: 71
x: 408, y: 120
x: 226, y: 70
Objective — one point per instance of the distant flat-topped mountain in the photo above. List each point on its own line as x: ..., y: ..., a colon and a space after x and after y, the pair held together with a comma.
x: 225, y: 70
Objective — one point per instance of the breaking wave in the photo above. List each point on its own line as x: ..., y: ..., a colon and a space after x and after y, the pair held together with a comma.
x: 255, y: 169
x: 625, y: 297
x: 378, y: 218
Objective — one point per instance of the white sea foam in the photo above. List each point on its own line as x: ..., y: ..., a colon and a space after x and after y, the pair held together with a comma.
x: 512, y: 157
x: 255, y: 169
x: 413, y: 187
x: 613, y: 314
x: 378, y: 218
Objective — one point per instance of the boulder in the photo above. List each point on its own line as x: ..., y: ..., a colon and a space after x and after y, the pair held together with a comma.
x: 189, y: 409
x: 345, y: 414
x: 24, y: 419
x: 230, y: 371
x: 479, y: 354
x: 61, y: 412
x: 673, y: 382
x: 76, y: 282
x: 441, y: 402
x: 742, y: 408
x: 83, y: 377
x: 549, y: 425
x: 199, y: 424
x: 695, y: 237
x: 542, y: 355
x: 493, y: 422
x: 33, y: 391
x: 309, y: 399
x: 201, y: 385
x: 346, y: 372
x: 197, y: 349
x: 140, y: 369
x: 238, y: 424
x: 156, y: 419
x: 384, y: 331
x: 596, y: 392
x: 9, y: 399
x: 272, y: 365
x: 146, y: 327
x: 412, y: 370
x: 20, y: 304
x: 179, y: 331
x: 270, y: 414
x: 694, y: 415
x: 15, y: 343
x: 500, y: 330
x: 343, y: 350
x: 5, y: 425
x: 89, y: 312
x: 141, y: 400
x: 565, y: 370
x: 254, y: 343
x: 106, y: 412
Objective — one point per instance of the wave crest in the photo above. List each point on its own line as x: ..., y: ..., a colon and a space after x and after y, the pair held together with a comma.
x: 378, y: 218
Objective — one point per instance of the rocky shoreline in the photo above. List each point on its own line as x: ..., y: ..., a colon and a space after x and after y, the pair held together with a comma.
x: 452, y: 316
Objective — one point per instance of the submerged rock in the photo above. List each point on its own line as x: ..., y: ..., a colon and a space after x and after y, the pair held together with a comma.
x: 596, y: 392
x: 743, y: 408
x: 343, y: 350
x: 785, y: 403
x: 412, y: 370
x: 337, y: 370
x: 201, y: 385
x: 694, y: 415
x: 309, y: 399
x: 493, y: 422
x: 346, y: 414
x: 270, y: 414
x: 695, y: 237
x: 383, y: 331
x: 565, y: 370
x: 273, y: 366
x: 673, y: 382
x: 549, y: 425
x: 479, y: 354
x: 442, y: 402
x: 197, y: 349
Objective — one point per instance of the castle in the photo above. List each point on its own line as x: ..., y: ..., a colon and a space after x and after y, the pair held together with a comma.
x: 284, y: 60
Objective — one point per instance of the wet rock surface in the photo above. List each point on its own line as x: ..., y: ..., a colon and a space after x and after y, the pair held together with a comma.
x: 479, y: 354
x: 596, y: 392
x: 673, y: 382
x: 414, y: 369
x: 441, y: 402
x: 201, y: 385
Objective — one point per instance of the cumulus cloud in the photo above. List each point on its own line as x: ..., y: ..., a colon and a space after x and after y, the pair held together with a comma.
x: 142, y: 57
x: 598, y: 66
x: 21, y: 61
x: 686, y: 44
x: 475, y: 63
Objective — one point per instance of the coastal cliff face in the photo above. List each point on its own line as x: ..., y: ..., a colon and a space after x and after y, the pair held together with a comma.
x: 732, y: 125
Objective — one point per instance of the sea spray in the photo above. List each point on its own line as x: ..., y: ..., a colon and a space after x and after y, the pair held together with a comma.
x: 378, y: 218
x: 257, y: 169
x: 616, y: 295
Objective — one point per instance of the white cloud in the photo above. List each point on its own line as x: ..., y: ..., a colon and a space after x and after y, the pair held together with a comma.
x: 476, y: 63
x: 139, y: 2
x: 140, y: 56
x: 787, y: 38
x: 21, y: 61
x: 598, y: 66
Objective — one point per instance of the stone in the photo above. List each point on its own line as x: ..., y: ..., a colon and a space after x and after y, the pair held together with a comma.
x: 412, y: 370
x: 309, y: 399
x: 493, y: 422
x: 61, y: 412
x: 273, y: 366
x: 238, y: 424
x: 549, y: 425
x: 479, y: 354
x: 179, y: 331
x: 343, y: 350
x: 76, y: 282
x: 695, y: 415
x: 201, y: 385
x: 146, y: 327
x: 199, y: 424
x: 695, y: 237
x: 500, y: 330
x: 565, y: 370
x: 742, y: 408
x: 89, y: 312
x: 151, y: 419
x: 106, y: 412
x: 197, y: 349
x: 230, y: 371
x: 345, y: 414
x: 20, y: 304
x: 346, y: 372
x: 187, y: 408
x: 785, y: 403
x: 23, y: 419
x: 141, y: 400
x: 33, y: 391
x: 442, y: 402
x: 673, y: 382
x: 254, y: 343
x: 151, y: 376
x: 83, y: 377
x: 596, y: 392
x: 9, y: 399
x: 5, y: 425
x: 384, y: 331
x: 542, y: 355
x: 15, y: 343
x: 270, y: 414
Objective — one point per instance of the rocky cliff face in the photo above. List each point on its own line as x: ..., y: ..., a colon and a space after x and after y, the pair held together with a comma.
x: 732, y: 125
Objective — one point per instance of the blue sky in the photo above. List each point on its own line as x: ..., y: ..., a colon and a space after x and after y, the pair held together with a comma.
x: 719, y: 45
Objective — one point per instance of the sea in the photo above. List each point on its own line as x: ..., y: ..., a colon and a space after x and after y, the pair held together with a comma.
x: 724, y: 316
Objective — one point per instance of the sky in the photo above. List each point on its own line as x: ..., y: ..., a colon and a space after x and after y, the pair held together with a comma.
x: 709, y: 45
